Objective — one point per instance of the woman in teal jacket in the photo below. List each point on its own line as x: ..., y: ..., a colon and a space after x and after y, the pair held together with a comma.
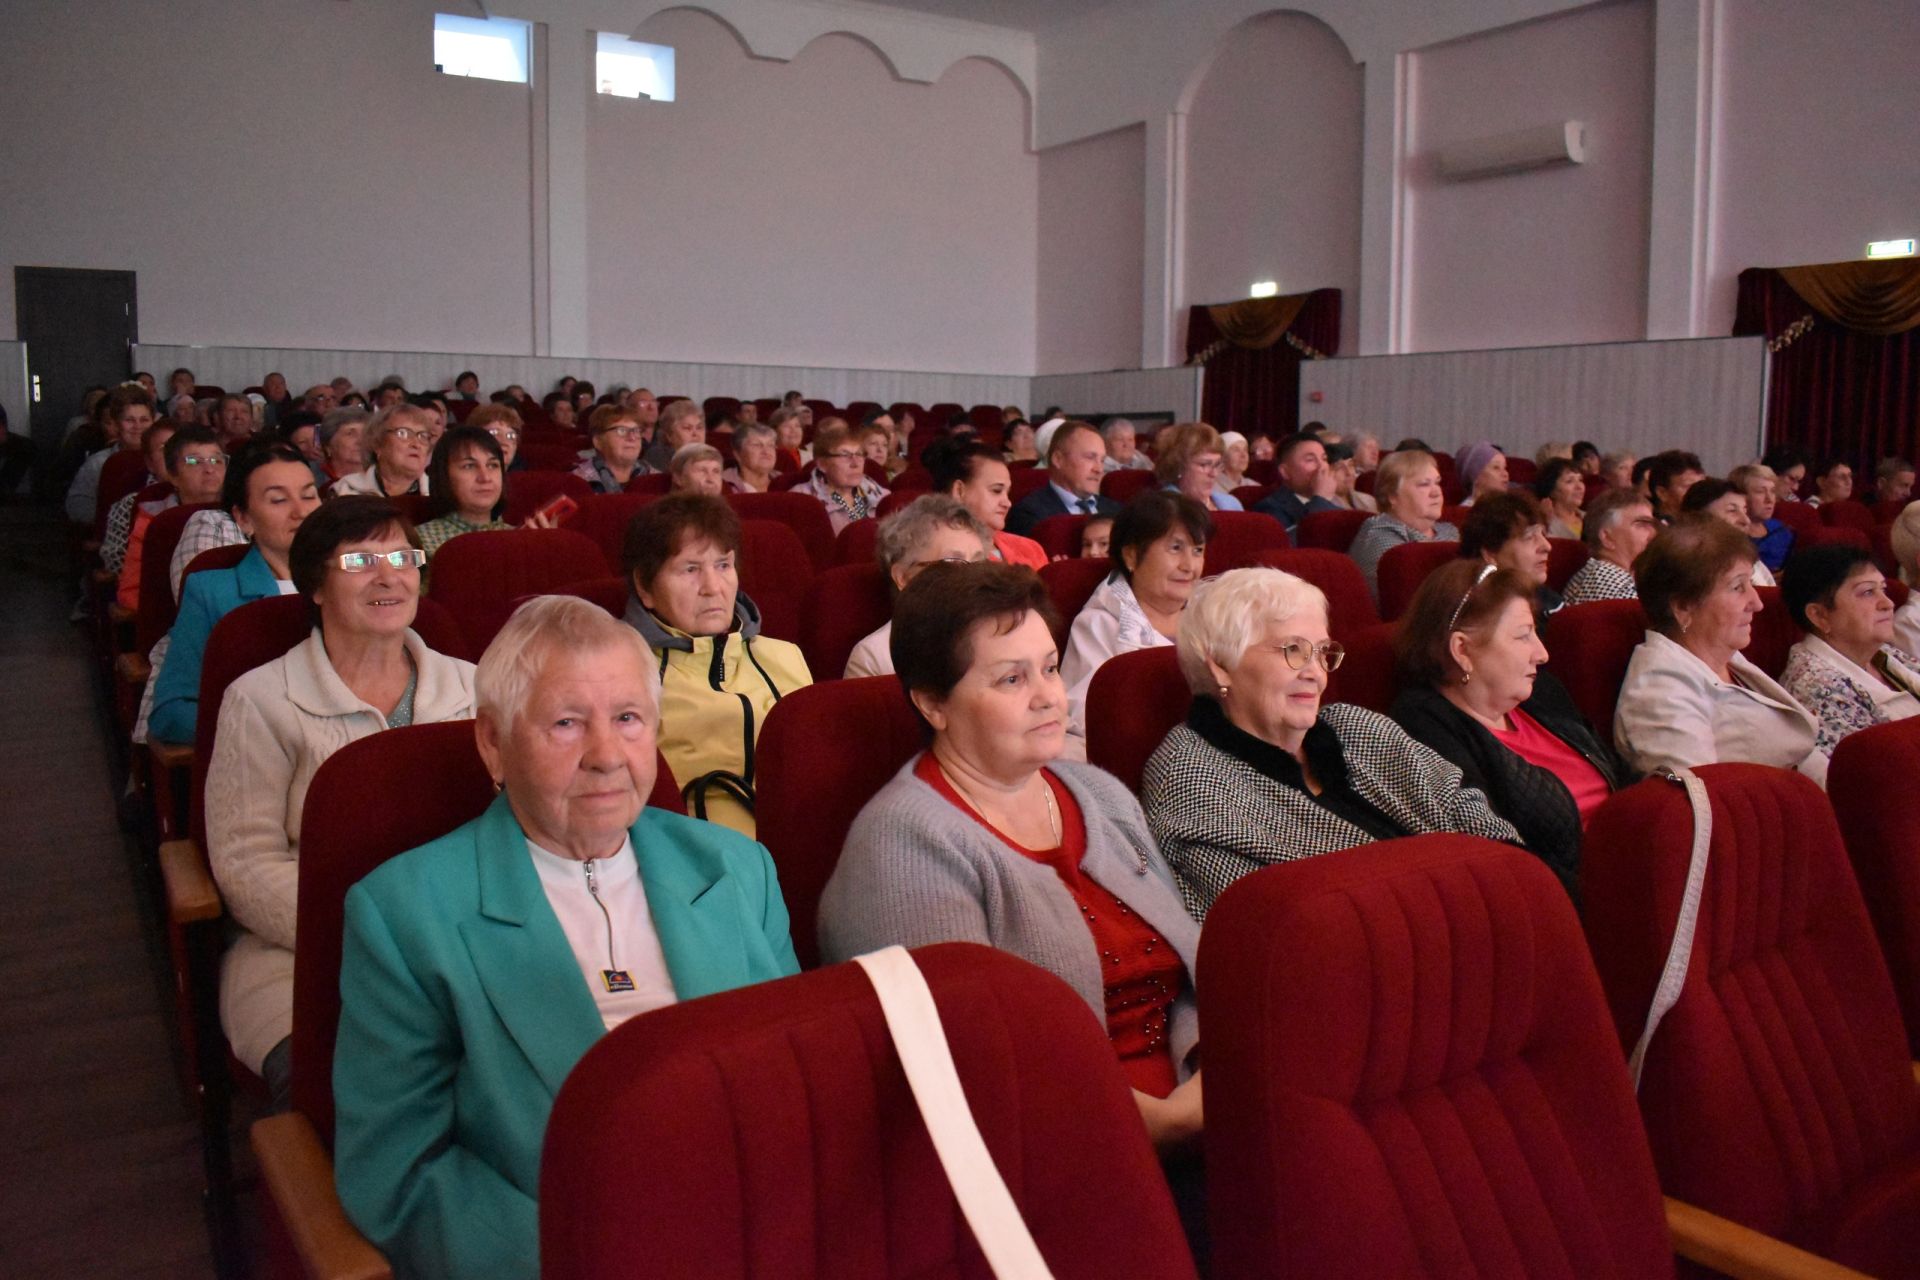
x: 477, y: 970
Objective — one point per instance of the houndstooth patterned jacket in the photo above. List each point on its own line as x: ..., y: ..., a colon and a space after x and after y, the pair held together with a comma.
x: 1219, y: 815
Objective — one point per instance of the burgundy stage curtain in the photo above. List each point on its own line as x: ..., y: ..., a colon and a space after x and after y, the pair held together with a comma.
x: 1252, y: 360
x: 1836, y: 390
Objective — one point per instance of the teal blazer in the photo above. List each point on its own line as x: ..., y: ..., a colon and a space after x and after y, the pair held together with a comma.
x: 206, y: 597
x: 462, y: 1009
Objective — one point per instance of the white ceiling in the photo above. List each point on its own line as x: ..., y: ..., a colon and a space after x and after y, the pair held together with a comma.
x: 1023, y: 15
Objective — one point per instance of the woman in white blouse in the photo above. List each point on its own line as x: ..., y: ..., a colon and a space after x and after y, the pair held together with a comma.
x: 1689, y: 697
x: 1846, y: 671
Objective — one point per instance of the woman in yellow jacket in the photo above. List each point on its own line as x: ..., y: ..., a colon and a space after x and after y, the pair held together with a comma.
x: 718, y: 675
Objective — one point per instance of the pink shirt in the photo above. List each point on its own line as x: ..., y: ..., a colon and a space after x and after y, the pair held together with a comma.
x: 1533, y: 743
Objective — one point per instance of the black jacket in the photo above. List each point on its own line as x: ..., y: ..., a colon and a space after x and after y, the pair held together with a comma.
x: 1536, y: 802
x: 1044, y: 502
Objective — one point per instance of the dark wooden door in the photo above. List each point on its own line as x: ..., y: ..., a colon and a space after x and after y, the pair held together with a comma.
x: 79, y: 326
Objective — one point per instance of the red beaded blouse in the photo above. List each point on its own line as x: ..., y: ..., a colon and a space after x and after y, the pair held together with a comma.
x: 1142, y: 974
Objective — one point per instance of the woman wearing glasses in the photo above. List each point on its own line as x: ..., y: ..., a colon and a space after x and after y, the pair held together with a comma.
x: 400, y: 438
x: 1262, y: 772
x: 840, y: 480
x: 1190, y: 462
x: 1473, y: 690
x: 357, y: 561
x: 617, y: 441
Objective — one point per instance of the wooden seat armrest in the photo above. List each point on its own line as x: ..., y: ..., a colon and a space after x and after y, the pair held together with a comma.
x: 191, y: 894
x: 132, y: 668
x: 1916, y: 1073
x: 171, y: 755
x: 298, y: 1175
x: 1743, y: 1253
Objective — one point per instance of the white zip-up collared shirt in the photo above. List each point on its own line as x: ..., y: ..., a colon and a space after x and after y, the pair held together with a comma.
x: 625, y: 928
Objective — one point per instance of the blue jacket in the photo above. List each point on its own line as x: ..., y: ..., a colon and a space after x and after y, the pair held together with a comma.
x: 462, y: 1010
x: 207, y: 597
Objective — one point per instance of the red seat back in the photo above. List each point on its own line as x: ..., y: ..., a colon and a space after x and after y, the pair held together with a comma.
x: 656, y: 483
x: 214, y: 558
x: 1777, y: 1091
x: 1411, y: 1072
x: 1869, y: 769
x: 1369, y: 676
x: 1251, y: 495
x: 1588, y: 648
x: 546, y: 457
x: 800, y: 512
x: 1774, y: 634
x: 1121, y: 486
x: 123, y: 473
x: 1060, y: 535
x: 1330, y: 530
x: 604, y: 517
x: 1134, y: 700
x: 1349, y: 603
x: 1403, y: 568
x: 610, y: 594
x: 1564, y: 558
x: 857, y: 541
x: 1798, y: 516
x: 1024, y: 480
x: 1070, y: 583
x: 157, y: 609
x: 1848, y: 513
x: 824, y: 751
x: 1521, y: 470
x: 1239, y: 537
x: 775, y: 573
x: 528, y: 491
x: 482, y: 577
x: 840, y: 1178
x: 1835, y: 535
x: 372, y: 800
x: 844, y: 605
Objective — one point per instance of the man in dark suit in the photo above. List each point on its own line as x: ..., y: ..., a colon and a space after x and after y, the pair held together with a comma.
x: 1076, y: 459
x: 1306, y: 481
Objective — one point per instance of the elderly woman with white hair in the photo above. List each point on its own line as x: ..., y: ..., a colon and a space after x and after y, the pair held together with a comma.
x: 933, y: 529
x: 476, y: 970
x: 698, y: 468
x: 1262, y: 772
x: 400, y: 442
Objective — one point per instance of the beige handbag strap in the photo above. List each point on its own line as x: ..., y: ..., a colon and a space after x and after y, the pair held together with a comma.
x: 1674, y: 976
x: 921, y: 1042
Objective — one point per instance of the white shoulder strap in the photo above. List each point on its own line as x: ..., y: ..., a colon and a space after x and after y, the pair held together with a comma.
x: 921, y: 1042
x: 1674, y: 976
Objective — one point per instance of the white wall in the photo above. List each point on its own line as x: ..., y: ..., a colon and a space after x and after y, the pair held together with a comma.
x: 1091, y: 214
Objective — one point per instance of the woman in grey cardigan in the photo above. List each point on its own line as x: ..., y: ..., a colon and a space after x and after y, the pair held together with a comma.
x: 988, y: 837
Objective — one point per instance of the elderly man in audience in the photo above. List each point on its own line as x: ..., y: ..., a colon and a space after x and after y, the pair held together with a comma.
x: 127, y: 415
x: 1719, y: 499
x: 990, y: 836
x: 320, y: 398
x: 1482, y: 468
x: 1157, y: 551
x: 1618, y: 527
x: 476, y: 970
x: 1408, y: 488
x: 756, y: 459
x: 1846, y: 670
x: 1472, y: 688
x: 1307, y: 482
x: 1561, y: 493
x: 401, y: 441
x: 1832, y: 482
x: 1076, y: 459
x: 1509, y: 530
x: 363, y: 669
x: 646, y: 409
x: 1123, y: 447
x: 343, y: 444
x: 504, y: 424
x: 1262, y: 772
x: 975, y: 476
x: 839, y: 478
x: 680, y: 424
x: 196, y: 467
x: 1772, y: 537
x: 1690, y: 697
x: 279, y: 400
x: 720, y: 675
x: 120, y: 516
x: 615, y: 460
x: 697, y: 468
x: 1669, y: 476
x: 1191, y: 454
x: 1893, y: 480
x: 930, y: 530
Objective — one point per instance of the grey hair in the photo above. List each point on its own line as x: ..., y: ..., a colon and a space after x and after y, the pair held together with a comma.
x: 338, y: 418
x: 688, y: 454
x: 538, y: 629
x: 383, y: 421
x: 754, y: 430
x: 1111, y: 425
x: 1227, y: 614
x: 784, y: 414
x: 673, y: 411
x: 910, y: 527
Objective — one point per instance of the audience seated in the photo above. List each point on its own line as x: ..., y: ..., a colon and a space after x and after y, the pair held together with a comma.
x: 477, y: 969
x: 1772, y: 538
x: 839, y: 480
x: 756, y: 460
x: 1234, y: 460
x: 1832, y: 482
x: 363, y: 669
x: 126, y: 415
x: 1076, y: 459
x: 399, y: 438
x: 1123, y: 448
x: 680, y: 424
x: 1721, y: 500
x: 1472, y: 688
x: 1617, y: 528
x: 1189, y: 463
x: 503, y: 423
x: 976, y: 477
x: 467, y: 487
x: 1346, y: 480
x: 120, y: 516
x: 1261, y: 772
x: 719, y: 675
x: 989, y: 836
x: 1669, y: 475
x: 1846, y: 670
x: 1158, y: 552
x: 1307, y: 481
x: 1690, y: 697
x: 789, y: 425
x: 1562, y: 493
x: 1408, y: 488
x: 196, y: 469
x: 342, y: 437
x: 1904, y: 536
x: 1482, y: 468
x: 1508, y: 530
x: 930, y: 530
x: 1096, y: 538
x: 1893, y: 481
x: 617, y: 440
x: 696, y: 468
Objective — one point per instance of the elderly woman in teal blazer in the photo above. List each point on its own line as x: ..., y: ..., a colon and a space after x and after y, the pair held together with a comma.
x: 477, y: 970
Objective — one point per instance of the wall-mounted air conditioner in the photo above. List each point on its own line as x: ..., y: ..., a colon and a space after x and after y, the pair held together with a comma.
x: 1536, y: 148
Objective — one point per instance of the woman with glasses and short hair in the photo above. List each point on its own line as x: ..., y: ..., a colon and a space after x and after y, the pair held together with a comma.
x: 363, y: 669
x: 400, y: 442
x: 927, y: 531
x: 1261, y: 772
x: 504, y: 425
x: 618, y: 439
x: 840, y: 480
x: 1190, y: 462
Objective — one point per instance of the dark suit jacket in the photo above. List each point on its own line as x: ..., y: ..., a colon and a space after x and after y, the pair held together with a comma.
x: 1289, y: 508
x: 1044, y: 502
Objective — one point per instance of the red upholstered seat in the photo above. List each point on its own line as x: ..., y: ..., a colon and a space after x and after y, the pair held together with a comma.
x: 1830, y: 535
x: 823, y: 753
x: 610, y: 594
x: 657, y: 483
x: 528, y: 491
x: 775, y: 573
x: 482, y: 577
x: 1887, y: 512
x: 798, y: 511
x: 1070, y: 583
x: 1588, y: 648
x: 1403, y: 568
x: 1778, y: 1091
x: 1121, y: 486
x: 1411, y: 1072
x: 1024, y: 480
x: 1368, y: 677
x: 1454, y: 515
x: 1251, y: 495
x: 1798, y: 516
x: 1848, y: 513
x: 1868, y: 781
x: 1240, y: 536
x: 1135, y: 698
x: 1330, y: 530
x: 123, y: 473
x: 895, y: 499
x: 716, y: 407
x: 987, y: 420
x: 840, y: 1178
x: 843, y: 606
x: 1349, y: 604
x: 1521, y: 470
x: 604, y: 517
x: 157, y: 609
x: 1564, y: 558
x: 1592, y: 487
x: 1060, y: 535
x: 857, y: 541
x: 1774, y: 634
x: 546, y: 457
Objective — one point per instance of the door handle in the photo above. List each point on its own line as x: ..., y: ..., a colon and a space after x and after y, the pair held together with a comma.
x: 36, y: 388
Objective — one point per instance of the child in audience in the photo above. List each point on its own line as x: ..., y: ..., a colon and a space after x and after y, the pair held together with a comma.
x: 1095, y: 536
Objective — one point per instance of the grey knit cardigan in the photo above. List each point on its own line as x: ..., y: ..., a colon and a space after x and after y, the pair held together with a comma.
x: 916, y: 870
